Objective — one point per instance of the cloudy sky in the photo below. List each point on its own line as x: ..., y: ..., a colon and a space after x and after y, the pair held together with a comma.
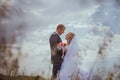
x: 90, y: 20
x: 43, y: 13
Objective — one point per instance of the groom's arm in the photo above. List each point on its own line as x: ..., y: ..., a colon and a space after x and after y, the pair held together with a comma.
x: 53, y: 41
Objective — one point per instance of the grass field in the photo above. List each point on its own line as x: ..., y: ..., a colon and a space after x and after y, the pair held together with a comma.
x: 2, y: 77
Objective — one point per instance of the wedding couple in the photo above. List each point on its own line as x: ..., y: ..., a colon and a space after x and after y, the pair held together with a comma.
x: 67, y: 67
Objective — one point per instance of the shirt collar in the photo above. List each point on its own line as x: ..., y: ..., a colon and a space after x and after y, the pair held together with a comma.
x: 57, y: 33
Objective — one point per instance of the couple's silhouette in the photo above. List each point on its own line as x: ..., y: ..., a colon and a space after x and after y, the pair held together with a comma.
x: 67, y: 67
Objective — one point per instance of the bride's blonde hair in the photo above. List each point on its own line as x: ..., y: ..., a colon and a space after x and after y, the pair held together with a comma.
x: 71, y: 34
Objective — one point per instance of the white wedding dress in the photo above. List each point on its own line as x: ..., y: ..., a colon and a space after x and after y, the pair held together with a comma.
x: 70, y: 69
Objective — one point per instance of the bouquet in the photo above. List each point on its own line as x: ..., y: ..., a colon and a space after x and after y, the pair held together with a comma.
x: 62, y: 46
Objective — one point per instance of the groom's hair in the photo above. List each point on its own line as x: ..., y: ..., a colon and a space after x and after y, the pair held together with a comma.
x: 60, y: 26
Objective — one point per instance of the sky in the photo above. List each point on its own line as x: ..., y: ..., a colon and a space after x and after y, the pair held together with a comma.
x: 91, y: 20
x: 48, y: 13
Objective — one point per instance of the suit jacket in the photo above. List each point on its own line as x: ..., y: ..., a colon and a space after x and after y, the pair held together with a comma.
x: 56, y: 54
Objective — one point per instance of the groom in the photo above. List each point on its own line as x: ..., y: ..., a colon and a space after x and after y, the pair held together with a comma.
x: 56, y: 54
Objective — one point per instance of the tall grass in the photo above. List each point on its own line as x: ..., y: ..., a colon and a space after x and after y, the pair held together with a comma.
x: 99, y: 72
x: 11, y: 30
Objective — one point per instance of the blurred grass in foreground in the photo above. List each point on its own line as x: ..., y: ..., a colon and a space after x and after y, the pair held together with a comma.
x: 12, y: 27
x: 22, y: 77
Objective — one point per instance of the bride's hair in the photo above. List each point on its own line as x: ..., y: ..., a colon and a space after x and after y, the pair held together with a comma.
x: 71, y: 35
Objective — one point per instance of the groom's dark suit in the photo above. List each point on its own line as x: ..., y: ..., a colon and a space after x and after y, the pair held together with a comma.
x: 56, y: 54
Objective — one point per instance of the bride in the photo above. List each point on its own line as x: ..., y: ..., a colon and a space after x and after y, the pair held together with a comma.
x: 70, y: 69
